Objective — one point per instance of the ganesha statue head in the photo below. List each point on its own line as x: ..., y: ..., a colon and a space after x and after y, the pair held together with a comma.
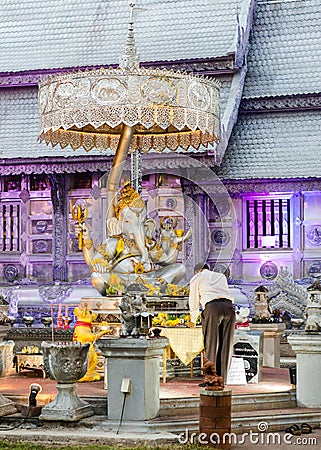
x: 129, y: 219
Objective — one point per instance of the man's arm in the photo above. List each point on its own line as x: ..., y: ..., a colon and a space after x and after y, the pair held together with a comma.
x: 194, y: 300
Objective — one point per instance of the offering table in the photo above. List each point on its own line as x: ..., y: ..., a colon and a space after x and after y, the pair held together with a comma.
x: 186, y: 343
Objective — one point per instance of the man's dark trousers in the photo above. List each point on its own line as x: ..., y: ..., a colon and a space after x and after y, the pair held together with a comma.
x: 218, y: 323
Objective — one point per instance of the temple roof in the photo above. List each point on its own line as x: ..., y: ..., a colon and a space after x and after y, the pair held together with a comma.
x: 284, y: 64
x: 60, y: 34
x: 285, y: 50
x: 284, y: 61
x: 274, y: 145
x: 73, y: 33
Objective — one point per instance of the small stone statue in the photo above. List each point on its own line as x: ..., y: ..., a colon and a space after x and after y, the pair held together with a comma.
x: 131, y: 306
x: 313, y: 308
x: 212, y: 381
x: 261, y: 305
x: 128, y: 309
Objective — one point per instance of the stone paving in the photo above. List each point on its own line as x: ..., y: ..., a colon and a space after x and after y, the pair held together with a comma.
x: 16, y: 386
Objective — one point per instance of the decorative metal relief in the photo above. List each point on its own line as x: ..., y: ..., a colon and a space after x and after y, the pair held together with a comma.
x: 314, y: 270
x: 160, y: 91
x: 157, y: 99
x: 199, y: 95
x: 63, y: 94
x: 11, y: 272
x: 269, y: 270
x: 41, y: 246
x: 108, y: 91
x: 171, y: 203
x: 54, y: 293
x: 222, y: 268
x: 41, y: 226
x: 314, y: 235
x: 221, y: 237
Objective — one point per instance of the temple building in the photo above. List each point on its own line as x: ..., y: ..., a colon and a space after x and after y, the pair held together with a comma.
x: 261, y: 197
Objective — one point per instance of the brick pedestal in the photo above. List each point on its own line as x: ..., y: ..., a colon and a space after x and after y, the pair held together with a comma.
x: 215, y: 417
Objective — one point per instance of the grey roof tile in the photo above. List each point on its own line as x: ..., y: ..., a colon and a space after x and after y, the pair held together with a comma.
x: 72, y: 33
x: 285, y: 52
x: 275, y: 145
x: 19, y: 127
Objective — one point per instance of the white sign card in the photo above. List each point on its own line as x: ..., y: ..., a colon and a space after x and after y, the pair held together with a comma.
x: 236, y: 374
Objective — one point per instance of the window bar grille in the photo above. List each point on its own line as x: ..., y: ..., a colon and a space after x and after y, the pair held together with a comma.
x: 15, y: 228
x: 288, y: 221
x: 256, y: 225
x: 280, y: 223
x: 248, y: 220
x: 272, y: 218
x: 264, y: 218
x: 9, y: 227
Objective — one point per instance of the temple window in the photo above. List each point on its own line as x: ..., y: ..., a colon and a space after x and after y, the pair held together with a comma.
x: 39, y: 183
x: 81, y: 181
x: 267, y: 222
x: 9, y: 227
x: 12, y: 184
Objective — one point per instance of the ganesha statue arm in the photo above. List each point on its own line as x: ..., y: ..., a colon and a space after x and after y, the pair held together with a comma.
x: 167, y: 251
x: 96, y: 257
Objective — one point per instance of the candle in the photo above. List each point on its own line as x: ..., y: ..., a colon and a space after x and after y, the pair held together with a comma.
x: 66, y: 311
x: 59, y: 309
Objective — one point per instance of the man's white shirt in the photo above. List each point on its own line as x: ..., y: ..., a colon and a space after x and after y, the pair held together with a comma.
x: 204, y: 287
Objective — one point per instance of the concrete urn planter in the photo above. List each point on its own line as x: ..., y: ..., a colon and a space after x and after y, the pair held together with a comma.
x: 6, y: 363
x: 66, y: 362
x: 6, y: 357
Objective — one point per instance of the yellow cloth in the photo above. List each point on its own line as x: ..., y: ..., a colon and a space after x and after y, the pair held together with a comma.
x: 186, y: 343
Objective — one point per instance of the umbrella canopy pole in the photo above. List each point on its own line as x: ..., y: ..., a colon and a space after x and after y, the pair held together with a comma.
x: 117, y: 167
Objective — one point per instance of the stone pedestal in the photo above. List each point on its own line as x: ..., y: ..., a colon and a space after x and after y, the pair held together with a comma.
x: 67, y: 406
x: 271, y: 342
x: 308, y: 355
x: 137, y: 360
x: 215, y: 418
x: 6, y: 406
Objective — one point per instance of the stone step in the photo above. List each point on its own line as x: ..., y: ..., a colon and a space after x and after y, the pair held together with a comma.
x: 276, y: 419
x: 242, y: 422
x: 189, y: 406
x: 240, y: 402
x: 263, y: 401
